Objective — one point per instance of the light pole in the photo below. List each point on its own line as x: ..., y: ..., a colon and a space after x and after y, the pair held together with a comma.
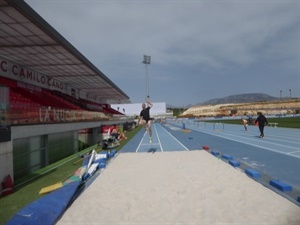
x: 290, y: 93
x: 280, y: 93
x: 146, y: 61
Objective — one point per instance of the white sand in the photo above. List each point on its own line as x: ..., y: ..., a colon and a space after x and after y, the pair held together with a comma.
x: 177, y: 188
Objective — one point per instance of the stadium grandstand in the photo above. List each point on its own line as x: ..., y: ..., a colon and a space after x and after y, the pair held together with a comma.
x: 52, y: 98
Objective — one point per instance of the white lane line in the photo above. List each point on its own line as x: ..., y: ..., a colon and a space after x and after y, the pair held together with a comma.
x: 158, y: 139
x: 140, y: 142
x: 151, y: 144
x: 236, y: 134
x: 255, y: 145
x: 270, y: 137
x: 175, y: 138
x: 293, y: 152
x: 266, y: 140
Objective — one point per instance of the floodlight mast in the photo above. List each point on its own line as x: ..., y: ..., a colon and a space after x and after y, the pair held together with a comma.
x: 146, y: 61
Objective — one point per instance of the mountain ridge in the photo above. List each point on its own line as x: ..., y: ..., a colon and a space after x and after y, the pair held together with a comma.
x: 239, y: 98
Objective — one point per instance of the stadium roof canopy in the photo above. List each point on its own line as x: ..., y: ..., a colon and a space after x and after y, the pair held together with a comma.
x: 27, y: 39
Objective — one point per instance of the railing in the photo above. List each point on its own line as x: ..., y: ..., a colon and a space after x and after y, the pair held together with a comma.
x: 49, y: 115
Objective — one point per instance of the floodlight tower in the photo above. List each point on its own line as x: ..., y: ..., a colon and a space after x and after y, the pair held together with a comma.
x: 280, y: 93
x: 146, y: 61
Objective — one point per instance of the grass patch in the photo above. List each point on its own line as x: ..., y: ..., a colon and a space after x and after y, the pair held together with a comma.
x: 27, y: 188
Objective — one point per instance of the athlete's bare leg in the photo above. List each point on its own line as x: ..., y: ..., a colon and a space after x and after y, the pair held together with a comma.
x: 150, y: 130
x: 144, y: 124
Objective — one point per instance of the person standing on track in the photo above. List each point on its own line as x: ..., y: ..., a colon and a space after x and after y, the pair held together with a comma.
x: 145, y: 119
x: 262, y: 121
x: 245, y: 123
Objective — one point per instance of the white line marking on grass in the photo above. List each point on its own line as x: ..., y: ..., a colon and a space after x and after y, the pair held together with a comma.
x: 175, y: 139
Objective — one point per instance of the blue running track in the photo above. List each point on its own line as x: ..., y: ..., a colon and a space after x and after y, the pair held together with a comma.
x: 277, y: 154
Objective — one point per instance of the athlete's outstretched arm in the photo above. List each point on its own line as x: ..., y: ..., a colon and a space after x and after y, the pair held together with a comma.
x: 149, y: 103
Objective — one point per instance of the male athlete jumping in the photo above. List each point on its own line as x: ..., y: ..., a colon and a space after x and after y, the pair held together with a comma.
x: 145, y: 119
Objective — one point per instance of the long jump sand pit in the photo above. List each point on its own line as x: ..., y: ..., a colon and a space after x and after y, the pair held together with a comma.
x: 190, y: 187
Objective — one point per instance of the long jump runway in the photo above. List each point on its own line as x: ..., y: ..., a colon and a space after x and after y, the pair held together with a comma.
x: 162, y: 140
x: 277, y: 155
x: 173, y: 181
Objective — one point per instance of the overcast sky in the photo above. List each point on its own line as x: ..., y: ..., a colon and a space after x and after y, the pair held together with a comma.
x: 200, y: 50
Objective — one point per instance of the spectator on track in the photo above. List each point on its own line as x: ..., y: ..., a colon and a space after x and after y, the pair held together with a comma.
x: 262, y: 121
x: 245, y: 123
